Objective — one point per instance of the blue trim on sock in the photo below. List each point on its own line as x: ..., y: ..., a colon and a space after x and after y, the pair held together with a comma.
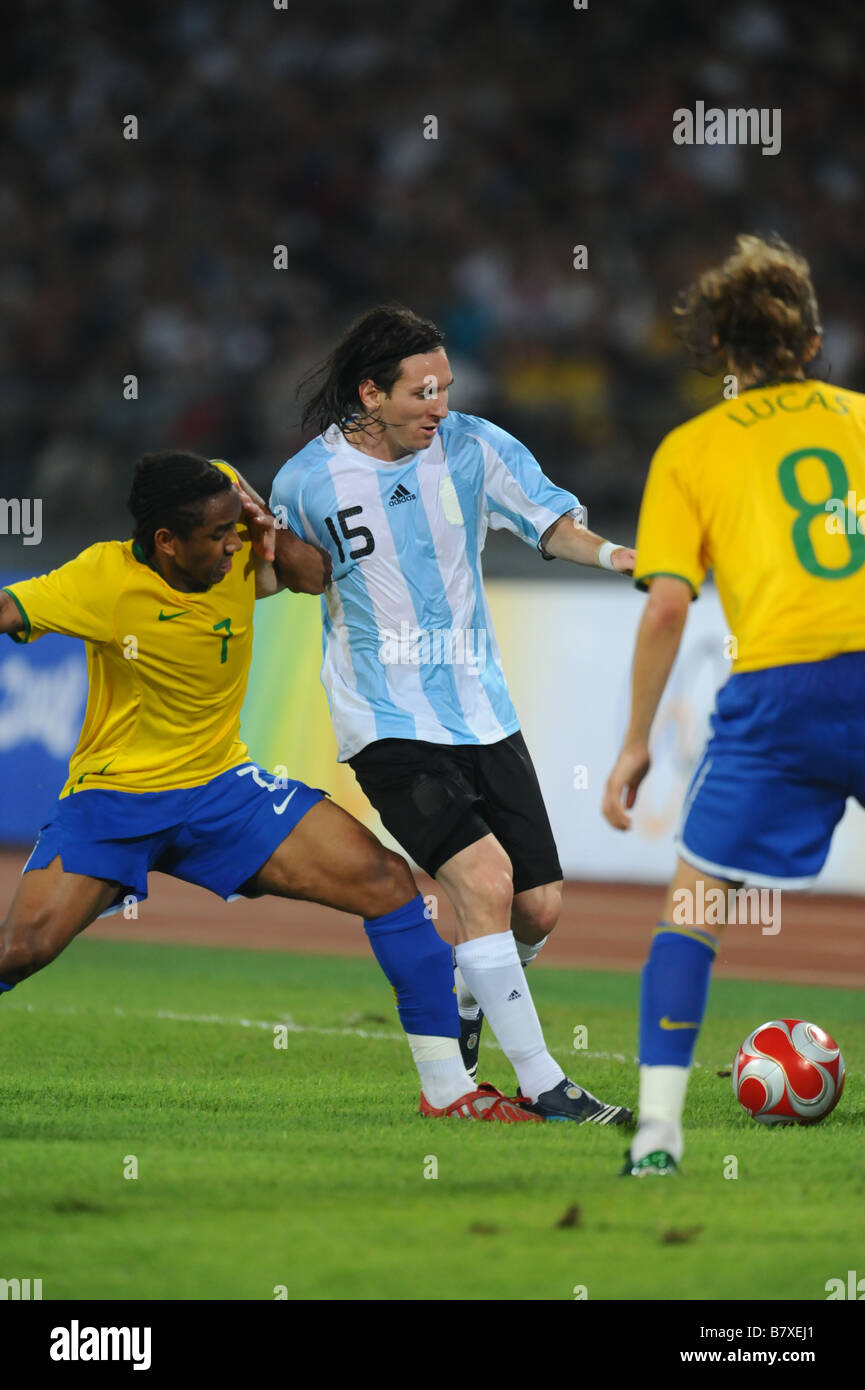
x: 673, y: 996
x: 5, y: 987
x: 419, y: 966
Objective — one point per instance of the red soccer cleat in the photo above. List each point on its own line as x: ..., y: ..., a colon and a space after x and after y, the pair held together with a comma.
x: 486, y: 1103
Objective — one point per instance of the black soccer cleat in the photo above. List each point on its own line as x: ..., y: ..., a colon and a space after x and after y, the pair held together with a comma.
x: 567, y: 1101
x: 470, y: 1038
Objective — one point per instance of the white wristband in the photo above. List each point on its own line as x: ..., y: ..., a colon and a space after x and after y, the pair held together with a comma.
x: 604, y: 554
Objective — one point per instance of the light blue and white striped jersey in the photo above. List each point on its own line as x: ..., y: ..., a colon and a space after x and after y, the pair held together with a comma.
x: 408, y: 640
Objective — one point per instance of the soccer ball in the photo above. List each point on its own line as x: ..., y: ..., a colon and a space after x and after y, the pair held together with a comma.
x: 788, y: 1072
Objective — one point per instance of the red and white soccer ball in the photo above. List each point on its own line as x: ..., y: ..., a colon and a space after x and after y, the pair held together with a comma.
x: 788, y: 1072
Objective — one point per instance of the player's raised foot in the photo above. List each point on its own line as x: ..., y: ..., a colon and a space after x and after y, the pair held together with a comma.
x: 470, y: 1038
x: 567, y: 1101
x: 658, y: 1164
x: 486, y: 1103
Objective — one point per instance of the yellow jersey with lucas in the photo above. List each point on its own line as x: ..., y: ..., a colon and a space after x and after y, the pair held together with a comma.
x: 768, y: 491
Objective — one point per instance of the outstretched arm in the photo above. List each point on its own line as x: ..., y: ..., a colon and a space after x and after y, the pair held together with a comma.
x: 658, y: 639
x: 10, y: 615
x: 566, y: 539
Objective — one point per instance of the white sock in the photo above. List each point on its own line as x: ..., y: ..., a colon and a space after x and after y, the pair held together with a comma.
x: 662, y: 1100
x: 468, y: 1006
x: 527, y: 953
x: 443, y: 1077
x: 491, y: 968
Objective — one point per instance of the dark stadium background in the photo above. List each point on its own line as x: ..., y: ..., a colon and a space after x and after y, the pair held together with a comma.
x: 304, y: 127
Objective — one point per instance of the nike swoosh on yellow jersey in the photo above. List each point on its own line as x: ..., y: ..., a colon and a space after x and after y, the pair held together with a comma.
x: 166, y: 617
x: 668, y: 1023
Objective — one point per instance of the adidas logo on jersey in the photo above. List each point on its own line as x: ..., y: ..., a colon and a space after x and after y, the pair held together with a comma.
x: 401, y: 494
x: 514, y: 994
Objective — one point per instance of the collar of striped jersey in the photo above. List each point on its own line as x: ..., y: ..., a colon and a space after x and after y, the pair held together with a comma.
x: 342, y: 442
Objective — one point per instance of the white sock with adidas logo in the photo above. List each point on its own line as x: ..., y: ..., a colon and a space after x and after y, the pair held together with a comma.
x: 491, y: 969
x: 468, y: 1006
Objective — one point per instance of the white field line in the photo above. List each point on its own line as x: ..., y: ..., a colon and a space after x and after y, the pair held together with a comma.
x: 268, y: 1026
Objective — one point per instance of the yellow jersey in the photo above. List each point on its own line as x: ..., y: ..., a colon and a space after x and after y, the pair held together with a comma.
x: 767, y: 490
x: 167, y: 670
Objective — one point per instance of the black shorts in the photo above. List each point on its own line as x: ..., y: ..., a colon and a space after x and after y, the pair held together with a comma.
x: 438, y: 798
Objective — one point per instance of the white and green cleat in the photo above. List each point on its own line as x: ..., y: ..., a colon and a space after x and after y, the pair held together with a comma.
x: 658, y: 1164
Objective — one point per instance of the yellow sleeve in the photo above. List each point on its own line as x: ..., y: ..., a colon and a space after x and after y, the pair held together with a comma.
x: 669, y: 534
x: 76, y: 600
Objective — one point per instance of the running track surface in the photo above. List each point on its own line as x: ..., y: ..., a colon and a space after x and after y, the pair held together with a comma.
x: 603, y: 926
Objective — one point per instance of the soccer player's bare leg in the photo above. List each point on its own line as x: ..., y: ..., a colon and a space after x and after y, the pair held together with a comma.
x: 534, y: 914
x: 478, y: 880
x: 674, y: 991
x: 330, y: 858
x: 49, y: 909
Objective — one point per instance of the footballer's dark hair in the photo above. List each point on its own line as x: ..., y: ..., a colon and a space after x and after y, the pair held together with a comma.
x: 757, y: 310
x: 171, y: 489
x: 371, y: 349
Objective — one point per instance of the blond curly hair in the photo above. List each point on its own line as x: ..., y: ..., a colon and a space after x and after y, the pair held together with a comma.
x: 757, y: 310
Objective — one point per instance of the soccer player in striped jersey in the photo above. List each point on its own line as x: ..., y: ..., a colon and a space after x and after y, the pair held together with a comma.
x: 762, y: 490
x: 160, y: 778
x: 401, y: 493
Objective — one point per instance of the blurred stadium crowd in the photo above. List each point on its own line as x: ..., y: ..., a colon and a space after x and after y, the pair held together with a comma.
x: 304, y: 127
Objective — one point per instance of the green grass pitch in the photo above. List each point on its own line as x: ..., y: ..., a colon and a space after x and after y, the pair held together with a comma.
x: 302, y: 1169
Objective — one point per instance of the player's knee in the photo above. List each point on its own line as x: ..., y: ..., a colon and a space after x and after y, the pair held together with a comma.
x: 28, y: 943
x: 390, y: 883
x: 490, y: 895
x: 22, y: 956
x: 545, y: 910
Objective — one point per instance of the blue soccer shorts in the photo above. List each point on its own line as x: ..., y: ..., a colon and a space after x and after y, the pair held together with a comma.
x: 217, y: 836
x: 787, y: 749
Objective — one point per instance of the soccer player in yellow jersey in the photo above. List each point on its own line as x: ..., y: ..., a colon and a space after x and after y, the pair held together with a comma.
x: 160, y: 778
x: 763, y: 489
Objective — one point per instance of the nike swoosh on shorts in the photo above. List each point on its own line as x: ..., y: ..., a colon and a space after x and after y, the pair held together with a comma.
x: 278, y: 810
